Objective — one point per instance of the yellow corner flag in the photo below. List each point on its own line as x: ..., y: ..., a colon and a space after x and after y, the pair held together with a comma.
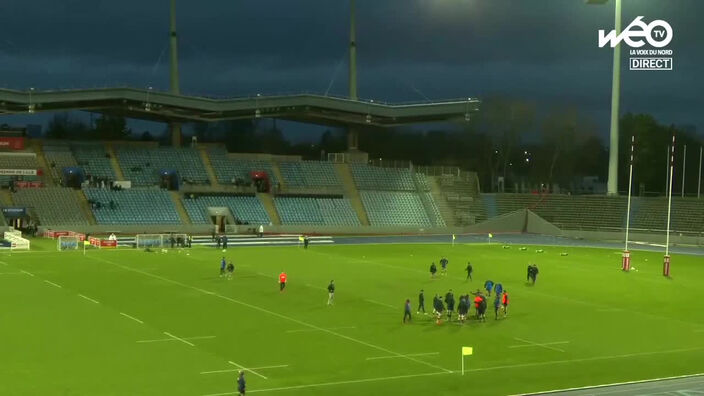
x: 465, y: 352
x: 86, y: 243
x: 491, y: 235
x: 453, y: 237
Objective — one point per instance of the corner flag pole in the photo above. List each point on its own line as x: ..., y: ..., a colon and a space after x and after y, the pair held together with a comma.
x: 666, y: 262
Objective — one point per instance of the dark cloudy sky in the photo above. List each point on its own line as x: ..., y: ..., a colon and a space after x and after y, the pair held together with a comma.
x: 541, y: 50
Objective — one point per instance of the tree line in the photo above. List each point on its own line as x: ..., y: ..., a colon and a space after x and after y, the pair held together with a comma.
x: 506, y: 138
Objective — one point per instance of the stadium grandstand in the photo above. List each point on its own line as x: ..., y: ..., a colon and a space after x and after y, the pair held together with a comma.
x: 168, y: 265
x: 106, y: 184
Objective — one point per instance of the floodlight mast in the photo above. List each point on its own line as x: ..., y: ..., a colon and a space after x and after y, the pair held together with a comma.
x: 352, y: 133
x: 612, y: 181
x: 174, y: 78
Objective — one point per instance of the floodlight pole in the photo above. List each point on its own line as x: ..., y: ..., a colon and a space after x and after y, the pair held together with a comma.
x: 174, y: 79
x: 612, y: 182
x: 353, y: 53
x: 352, y: 134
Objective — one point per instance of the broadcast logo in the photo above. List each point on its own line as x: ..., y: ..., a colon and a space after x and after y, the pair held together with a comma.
x: 657, y: 34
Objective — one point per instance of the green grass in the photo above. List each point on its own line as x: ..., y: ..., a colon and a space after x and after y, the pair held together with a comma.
x: 614, y: 326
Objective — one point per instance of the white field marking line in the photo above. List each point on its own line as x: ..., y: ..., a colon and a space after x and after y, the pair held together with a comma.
x: 172, y: 339
x: 653, y: 389
x: 545, y: 345
x: 52, y: 283
x: 329, y: 328
x: 10, y: 273
x: 257, y: 308
x: 205, y: 291
x: 589, y: 359
x: 410, y: 354
x: 179, y: 339
x: 89, y: 299
x: 615, y: 384
x: 380, y: 303
x: 25, y: 272
x: 358, y: 381
x: 312, y: 326
x: 247, y: 369
x: 3, y: 263
x: 131, y: 317
x: 546, y: 295
x: 251, y: 368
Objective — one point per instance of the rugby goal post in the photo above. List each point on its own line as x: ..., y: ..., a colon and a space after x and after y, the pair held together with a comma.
x: 67, y: 242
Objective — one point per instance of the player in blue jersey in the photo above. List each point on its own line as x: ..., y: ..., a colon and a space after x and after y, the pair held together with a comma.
x: 488, y: 285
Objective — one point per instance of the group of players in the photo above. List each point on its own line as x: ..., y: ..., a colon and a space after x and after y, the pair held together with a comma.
x: 480, y: 300
x: 447, y: 307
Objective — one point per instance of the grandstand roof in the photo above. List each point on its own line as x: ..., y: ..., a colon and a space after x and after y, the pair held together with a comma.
x: 166, y: 107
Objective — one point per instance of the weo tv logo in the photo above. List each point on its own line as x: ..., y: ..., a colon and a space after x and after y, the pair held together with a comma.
x: 658, y: 34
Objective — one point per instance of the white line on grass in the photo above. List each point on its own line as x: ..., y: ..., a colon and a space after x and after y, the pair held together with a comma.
x: 25, y: 272
x: 529, y: 291
x: 172, y: 339
x: 10, y: 273
x: 247, y: 369
x: 3, y: 263
x: 589, y: 359
x: 260, y: 309
x: 545, y: 345
x: 381, y: 303
x: 410, y: 354
x: 251, y: 368
x: 88, y: 298
x: 179, y: 339
x: 617, y: 384
x: 131, y: 317
x: 53, y: 284
x: 358, y: 381
x: 312, y: 326
x: 329, y: 328
x: 205, y: 291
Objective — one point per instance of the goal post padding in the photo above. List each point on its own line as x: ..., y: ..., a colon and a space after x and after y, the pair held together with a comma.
x: 67, y: 242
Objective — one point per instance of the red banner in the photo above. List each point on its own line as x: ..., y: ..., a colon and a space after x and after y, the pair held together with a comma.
x: 28, y: 184
x: 103, y: 243
x: 55, y: 234
x: 12, y: 143
x: 106, y: 243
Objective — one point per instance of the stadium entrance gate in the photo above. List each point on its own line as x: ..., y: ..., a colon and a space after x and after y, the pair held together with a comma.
x: 221, y: 217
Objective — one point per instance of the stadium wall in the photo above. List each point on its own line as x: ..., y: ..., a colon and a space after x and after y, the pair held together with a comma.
x: 206, y: 229
x: 650, y: 238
